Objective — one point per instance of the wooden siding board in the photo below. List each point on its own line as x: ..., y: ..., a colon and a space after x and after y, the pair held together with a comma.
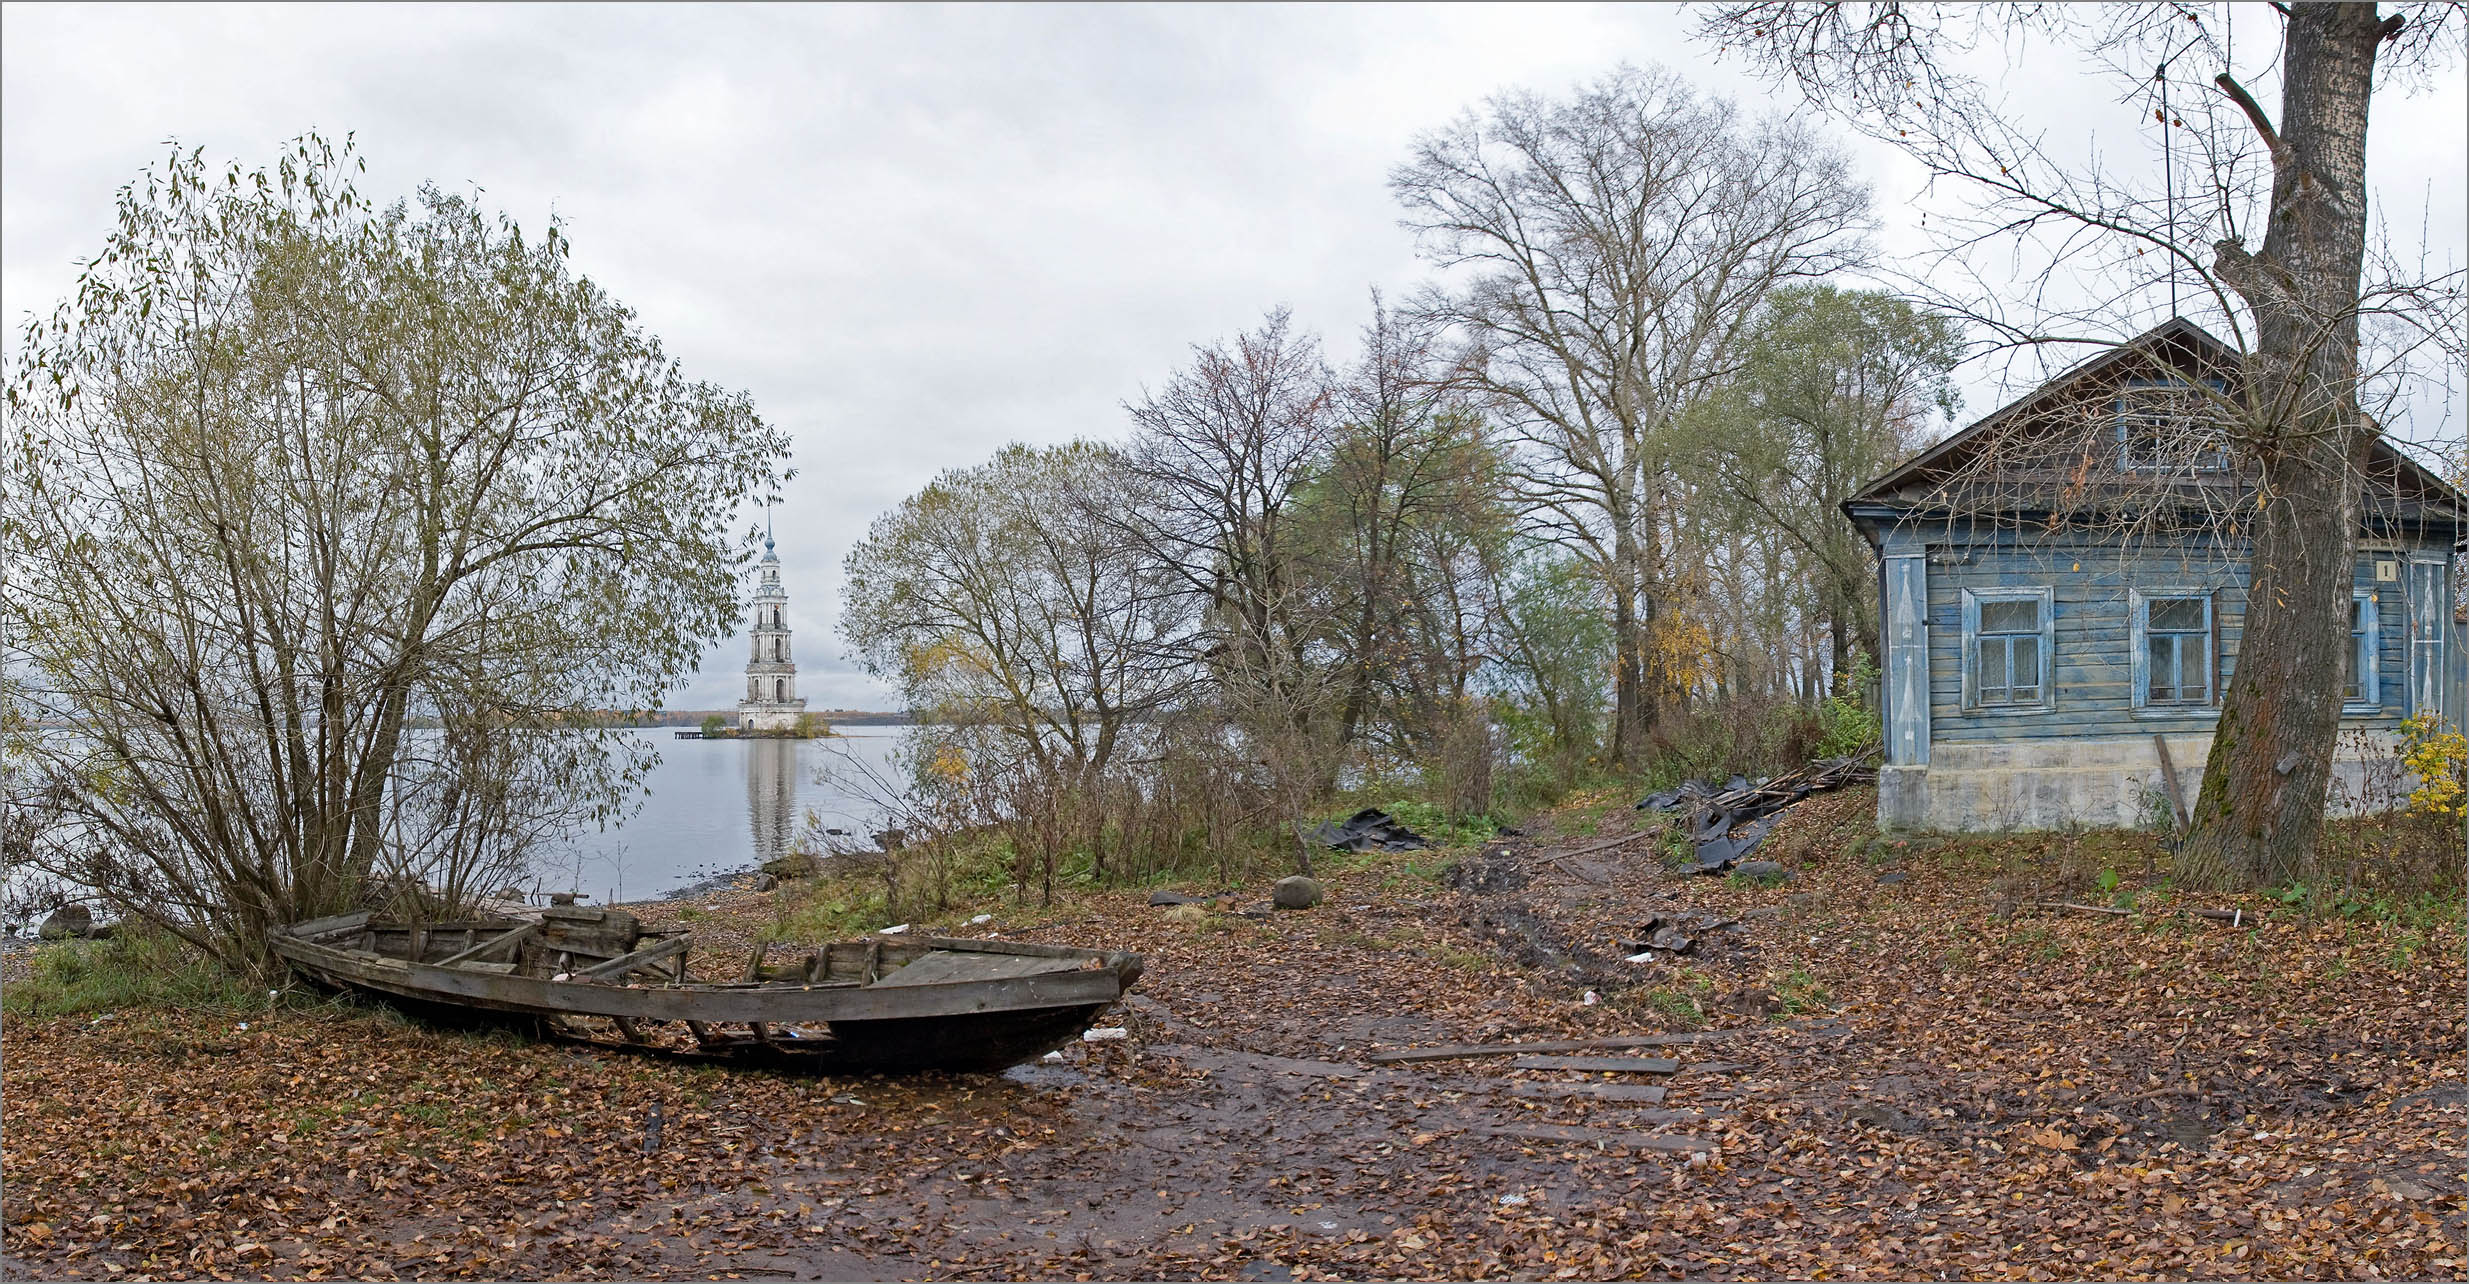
x: 2090, y: 663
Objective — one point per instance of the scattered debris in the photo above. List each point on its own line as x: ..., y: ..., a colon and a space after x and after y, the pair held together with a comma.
x: 1727, y: 824
x: 1679, y: 934
x: 1105, y: 1034
x: 894, y: 930
x: 1369, y: 830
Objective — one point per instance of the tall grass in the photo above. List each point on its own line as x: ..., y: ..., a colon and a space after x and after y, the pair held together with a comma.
x: 134, y: 968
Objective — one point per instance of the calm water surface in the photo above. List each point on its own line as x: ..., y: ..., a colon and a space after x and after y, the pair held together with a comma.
x: 718, y: 807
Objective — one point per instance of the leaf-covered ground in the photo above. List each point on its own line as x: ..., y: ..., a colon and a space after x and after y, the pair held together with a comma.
x: 1909, y: 1085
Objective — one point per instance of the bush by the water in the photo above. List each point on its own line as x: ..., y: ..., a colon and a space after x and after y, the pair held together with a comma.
x: 134, y: 968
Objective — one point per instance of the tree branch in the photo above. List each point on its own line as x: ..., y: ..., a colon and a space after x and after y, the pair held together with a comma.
x: 2254, y: 114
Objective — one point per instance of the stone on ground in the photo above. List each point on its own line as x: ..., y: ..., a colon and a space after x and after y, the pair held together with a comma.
x: 68, y: 921
x: 1296, y: 892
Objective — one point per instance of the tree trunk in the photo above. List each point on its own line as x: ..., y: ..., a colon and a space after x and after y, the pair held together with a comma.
x: 2260, y: 812
x: 1629, y: 713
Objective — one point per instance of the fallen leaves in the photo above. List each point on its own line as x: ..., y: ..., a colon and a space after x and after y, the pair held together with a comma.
x: 2032, y: 1099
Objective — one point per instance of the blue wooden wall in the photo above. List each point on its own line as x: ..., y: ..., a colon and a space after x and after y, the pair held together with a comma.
x: 2090, y: 580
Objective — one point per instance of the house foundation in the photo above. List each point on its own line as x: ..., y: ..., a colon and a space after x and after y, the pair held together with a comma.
x: 2066, y: 784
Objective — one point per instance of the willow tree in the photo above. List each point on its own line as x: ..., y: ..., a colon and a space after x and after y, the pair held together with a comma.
x: 2318, y: 334
x: 329, y: 527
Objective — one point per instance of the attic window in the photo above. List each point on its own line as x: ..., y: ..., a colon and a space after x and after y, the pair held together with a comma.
x: 2162, y: 427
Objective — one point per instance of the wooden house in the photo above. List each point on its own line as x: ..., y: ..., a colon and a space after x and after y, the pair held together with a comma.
x: 2064, y: 584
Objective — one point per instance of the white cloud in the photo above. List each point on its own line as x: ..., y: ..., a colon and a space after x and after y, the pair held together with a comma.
x: 912, y: 233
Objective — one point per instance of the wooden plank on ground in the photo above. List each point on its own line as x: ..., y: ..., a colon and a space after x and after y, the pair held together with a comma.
x: 1647, y: 1092
x: 1591, y: 1136
x: 1601, y: 1065
x: 1459, y: 1052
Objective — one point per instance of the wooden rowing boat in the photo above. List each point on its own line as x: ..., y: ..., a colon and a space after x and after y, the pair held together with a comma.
x: 883, y: 1004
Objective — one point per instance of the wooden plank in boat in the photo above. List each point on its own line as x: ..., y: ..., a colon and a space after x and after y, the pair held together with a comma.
x: 944, y: 966
x: 490, y: 945
x: 331, y: 926
x: 649, y: 954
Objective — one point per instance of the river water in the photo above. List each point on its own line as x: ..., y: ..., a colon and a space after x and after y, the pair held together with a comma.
x: 715, y: 807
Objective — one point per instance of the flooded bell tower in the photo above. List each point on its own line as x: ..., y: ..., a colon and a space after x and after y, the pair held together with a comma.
x: 771, y: 702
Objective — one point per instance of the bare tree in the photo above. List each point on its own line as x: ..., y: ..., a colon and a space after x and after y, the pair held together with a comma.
x: 1409, y: 487
x: 2315, y: 335
x: 1002, y: 596
x: 1605, y: 254
x: 328, y: 527
x: 1219, y: 456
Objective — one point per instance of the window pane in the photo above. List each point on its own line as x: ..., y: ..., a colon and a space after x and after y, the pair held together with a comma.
x: 2163, y: 668
x: 2178, y: 615
x: 2010, y: 617
x: 1991, y: 678
x: 2027, y: 668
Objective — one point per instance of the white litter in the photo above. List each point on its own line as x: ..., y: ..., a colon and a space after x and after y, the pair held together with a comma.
x: 894, y: 930
x: 1642, y: 956
x: 981, y: 920
x: 1512, y: 1201
x: 1052, y: 1056
x: 1105, y: 1034
x: 1328, y: 1226
x: 1593, y: 998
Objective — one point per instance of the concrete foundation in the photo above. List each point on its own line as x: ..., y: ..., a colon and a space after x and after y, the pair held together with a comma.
x: 2065, y: 784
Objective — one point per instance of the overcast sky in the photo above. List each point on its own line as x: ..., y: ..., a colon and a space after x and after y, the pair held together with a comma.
x: 914, y: 234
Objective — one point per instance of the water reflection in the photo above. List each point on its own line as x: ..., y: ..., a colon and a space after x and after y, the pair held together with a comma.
x: 771, y: 796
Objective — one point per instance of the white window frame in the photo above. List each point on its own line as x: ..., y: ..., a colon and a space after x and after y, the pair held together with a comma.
x: 2139, y: 612
x: 2370, y: 664
x: 2047, y: 602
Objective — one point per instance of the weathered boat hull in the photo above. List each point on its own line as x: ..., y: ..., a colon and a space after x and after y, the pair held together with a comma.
x: 852, y: 1007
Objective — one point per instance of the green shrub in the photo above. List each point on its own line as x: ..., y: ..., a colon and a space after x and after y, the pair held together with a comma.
x: 134, y: 968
